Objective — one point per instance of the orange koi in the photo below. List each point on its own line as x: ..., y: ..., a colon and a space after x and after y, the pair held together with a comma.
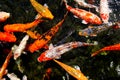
x: 5, y: 64
x: 108, y: 48
x: 33, y: 35
x: 4, y: 16
x: 46, y: 37
x: 42, y: 10
x: 72, y: 71
x: 19, y: 27
x: 46, y: 76
x: 104, y: 10
x: 83, y: 14
x: 7, y: 37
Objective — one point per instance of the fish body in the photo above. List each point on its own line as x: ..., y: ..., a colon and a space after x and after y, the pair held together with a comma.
x: 19, y: 49
x: 5, y: 64
x: 42, y: 10
x: 4, y: 16
x: 72, y: 71
x: 45, y: 38
x: 19, y: 27
x: 104, y: 10
x: 94, y: 30
x: 84, y: 4
x: 115, y: 47
x: 33, y: 35
x: 12, y: 76
x: 56, y: 52
x: 87, y: 16
x: 5, y: 36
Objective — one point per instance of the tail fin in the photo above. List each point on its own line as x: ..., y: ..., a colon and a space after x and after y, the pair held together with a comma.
x: 95, y: 53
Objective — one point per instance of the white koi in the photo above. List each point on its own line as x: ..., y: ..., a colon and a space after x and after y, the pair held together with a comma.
x: 104, y: 11
x: 17, y: 50
x: 84, y: 4
x: 4, y: 16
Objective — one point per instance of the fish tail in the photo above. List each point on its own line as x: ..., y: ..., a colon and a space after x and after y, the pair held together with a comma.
x: 95, y: 53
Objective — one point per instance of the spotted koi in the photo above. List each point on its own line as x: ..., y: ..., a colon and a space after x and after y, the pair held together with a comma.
x: 87, y: 16
x: 46, y: 37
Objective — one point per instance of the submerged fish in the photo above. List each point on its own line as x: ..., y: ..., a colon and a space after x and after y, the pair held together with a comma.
x: 46, y: 37
x: 94, y: 30
x: 42, y: 10
x: 19, y: 27
x: 4, y: 16
x: 12, y: 76
x: 104, y: 10
x: 56, y: 52
x: 87, y: 16
x: 5, y: 64
x: 72, y: 71
x: 33, y: 35
x: 5, y: 36
x: 19, y: 49
x: 115, y: 47
x: 84, y: 4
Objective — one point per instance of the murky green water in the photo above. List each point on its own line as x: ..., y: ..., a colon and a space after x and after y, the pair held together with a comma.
x: 105, y: 66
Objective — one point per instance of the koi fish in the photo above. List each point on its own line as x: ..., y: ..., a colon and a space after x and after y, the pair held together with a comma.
x: 7, y: 37
x: 94, y: 30
x: 19, y: 27
x: 5, y: 64
x: 42, y: 10
x: 46, y: 76
x: 4, y: 16
x: 33, y: 35
x: 19, y: 49
x: 46, y: 37
x: 117, y: 26
x: 72, y: 71
x: 56, y: 52
x: 88, y: 17
x: 13, y: 76
x: 115, y: 47
x: 84, y: 4
x: 104, y: 10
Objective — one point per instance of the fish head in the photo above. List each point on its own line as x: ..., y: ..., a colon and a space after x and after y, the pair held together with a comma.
x: 47, y: 14
x: 43, y: 57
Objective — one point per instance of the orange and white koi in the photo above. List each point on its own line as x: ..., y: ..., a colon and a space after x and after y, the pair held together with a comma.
x: 72, y: 71
x: 94, y: 30
x: 17, y: 50
x: 42, y: 10
x: 87, y: 16
x: 46, y: 37
x: 5, y: 64
x: 4, y: 16
x: 84, y: 4
x: 115, y: 47
x: 19, y: 27
x: 5, y: 36
x: 104, y: 10
x: 56, y: 52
